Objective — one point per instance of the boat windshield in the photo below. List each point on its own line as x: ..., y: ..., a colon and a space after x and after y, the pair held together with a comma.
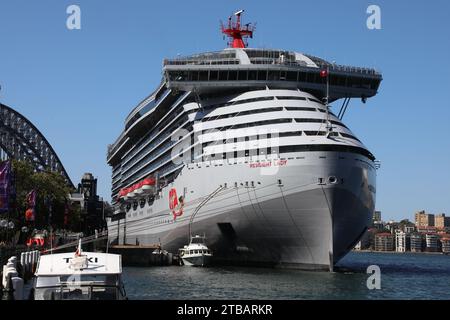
x: 197, y: 240
x: 76, y: 287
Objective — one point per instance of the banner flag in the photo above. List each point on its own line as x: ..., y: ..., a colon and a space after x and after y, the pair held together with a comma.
x: 30, y: 214
x: 5, y: 185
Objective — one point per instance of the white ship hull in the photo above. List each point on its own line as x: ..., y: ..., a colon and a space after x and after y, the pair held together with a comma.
x: 278, y: 216
x: 197, y: 261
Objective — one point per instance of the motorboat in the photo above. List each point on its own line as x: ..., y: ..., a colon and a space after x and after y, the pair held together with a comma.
x: 79, y: 276
x: 196, y: 254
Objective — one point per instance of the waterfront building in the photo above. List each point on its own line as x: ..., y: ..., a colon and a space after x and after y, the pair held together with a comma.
x: 426, y: 229
x: 379, y: 225
x: 402, y: 241
x: 432, y: 242
x: 416, y: 242
x: 423, y: 219
x: 392, y: 226
x: 92, y: 206
x: 364, y: 243
x: 409, y: 229
x: 384, y: 242
x: 441, y: 221
x: 445, y: 241
x: 376, y: 216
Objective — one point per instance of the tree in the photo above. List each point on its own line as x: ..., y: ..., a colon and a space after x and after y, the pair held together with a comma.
x: 52, y: 191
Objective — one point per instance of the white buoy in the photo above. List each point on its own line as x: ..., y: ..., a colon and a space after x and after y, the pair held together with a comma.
x: 17, y: 284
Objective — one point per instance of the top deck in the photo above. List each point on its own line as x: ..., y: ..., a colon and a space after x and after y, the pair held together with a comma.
x: 235, y: 68
x: 98, y: 263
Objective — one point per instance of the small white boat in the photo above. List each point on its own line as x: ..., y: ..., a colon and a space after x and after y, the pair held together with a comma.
x: 196, y: 254
x: 79, y: 276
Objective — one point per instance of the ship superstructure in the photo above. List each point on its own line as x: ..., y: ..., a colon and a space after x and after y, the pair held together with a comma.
x: 244, y: 139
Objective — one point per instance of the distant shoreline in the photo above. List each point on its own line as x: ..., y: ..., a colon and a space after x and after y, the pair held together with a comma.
x: 395, y: 252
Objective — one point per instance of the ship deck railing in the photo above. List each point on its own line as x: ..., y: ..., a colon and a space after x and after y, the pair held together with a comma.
x: 262, y: 57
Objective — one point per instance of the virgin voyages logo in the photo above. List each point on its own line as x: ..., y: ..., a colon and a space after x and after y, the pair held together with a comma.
x: 176, y: 204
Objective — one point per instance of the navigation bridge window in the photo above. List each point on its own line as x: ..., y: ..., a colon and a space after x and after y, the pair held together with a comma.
x: 239, y: 74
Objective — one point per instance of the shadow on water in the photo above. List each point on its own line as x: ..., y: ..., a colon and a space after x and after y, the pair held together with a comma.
x: 402, y: 277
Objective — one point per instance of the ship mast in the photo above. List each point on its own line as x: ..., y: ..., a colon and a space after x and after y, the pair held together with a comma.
x: 236, y: 32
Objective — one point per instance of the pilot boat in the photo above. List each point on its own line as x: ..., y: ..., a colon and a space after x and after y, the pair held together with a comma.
x: 79, y: 276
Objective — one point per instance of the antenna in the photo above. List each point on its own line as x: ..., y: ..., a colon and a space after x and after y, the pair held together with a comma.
x: 235, y: 32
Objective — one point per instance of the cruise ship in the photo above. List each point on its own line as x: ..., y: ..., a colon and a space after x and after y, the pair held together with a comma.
x: 241, y: 145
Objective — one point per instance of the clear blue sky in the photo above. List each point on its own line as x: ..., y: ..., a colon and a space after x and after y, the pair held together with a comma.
x: 78, y: 86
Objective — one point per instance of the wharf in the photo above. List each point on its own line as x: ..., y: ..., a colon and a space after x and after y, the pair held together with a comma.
x: 142, y: 255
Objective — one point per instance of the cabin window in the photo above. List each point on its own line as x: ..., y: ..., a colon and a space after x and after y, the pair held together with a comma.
x: 223, y: 75
x: 242, y: 75
x: 291, y: 76
x: 203, y: 76
x: 213, y: 75
x: 274, y: 75
x: 262, y: 75
x: 232, y: 75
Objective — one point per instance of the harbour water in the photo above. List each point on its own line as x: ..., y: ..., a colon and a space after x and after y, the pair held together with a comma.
x: 403, y: 276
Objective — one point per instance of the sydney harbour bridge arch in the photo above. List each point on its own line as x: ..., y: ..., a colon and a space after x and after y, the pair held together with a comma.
x: 21, y: 140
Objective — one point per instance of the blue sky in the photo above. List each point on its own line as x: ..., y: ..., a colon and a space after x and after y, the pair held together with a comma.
x: 78, y: 86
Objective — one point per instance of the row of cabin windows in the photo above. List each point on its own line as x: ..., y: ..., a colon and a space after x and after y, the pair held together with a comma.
x: 289, y: 149
x: 199, y: 252
x: 269, y: 122
x: 150, y: 105
x: 151, y: 136
x: 263, y: 110
x: 271, y: 75
x: 259, y: 99
x: 158, y: 114
x: 281, y: 135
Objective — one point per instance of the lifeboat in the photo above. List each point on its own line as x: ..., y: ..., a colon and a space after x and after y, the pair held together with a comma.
x: 132, y: 192
x: 139, y: 191
x: 148, y: 185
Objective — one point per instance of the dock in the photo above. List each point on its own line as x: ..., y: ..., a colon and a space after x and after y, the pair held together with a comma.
x: 142, y: 255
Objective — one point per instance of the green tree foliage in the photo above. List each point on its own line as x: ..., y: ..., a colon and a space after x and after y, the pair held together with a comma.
x: 49, y: 185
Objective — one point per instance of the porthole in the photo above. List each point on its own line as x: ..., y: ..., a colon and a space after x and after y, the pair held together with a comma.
x: 332, y: 180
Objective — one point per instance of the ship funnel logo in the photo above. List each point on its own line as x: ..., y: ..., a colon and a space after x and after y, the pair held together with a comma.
x: 176, y: 204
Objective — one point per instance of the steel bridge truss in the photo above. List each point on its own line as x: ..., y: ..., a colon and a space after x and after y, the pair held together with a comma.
x: 21, y: 140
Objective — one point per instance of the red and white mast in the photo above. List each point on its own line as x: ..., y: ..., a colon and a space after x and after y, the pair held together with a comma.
x: 236, y: 33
